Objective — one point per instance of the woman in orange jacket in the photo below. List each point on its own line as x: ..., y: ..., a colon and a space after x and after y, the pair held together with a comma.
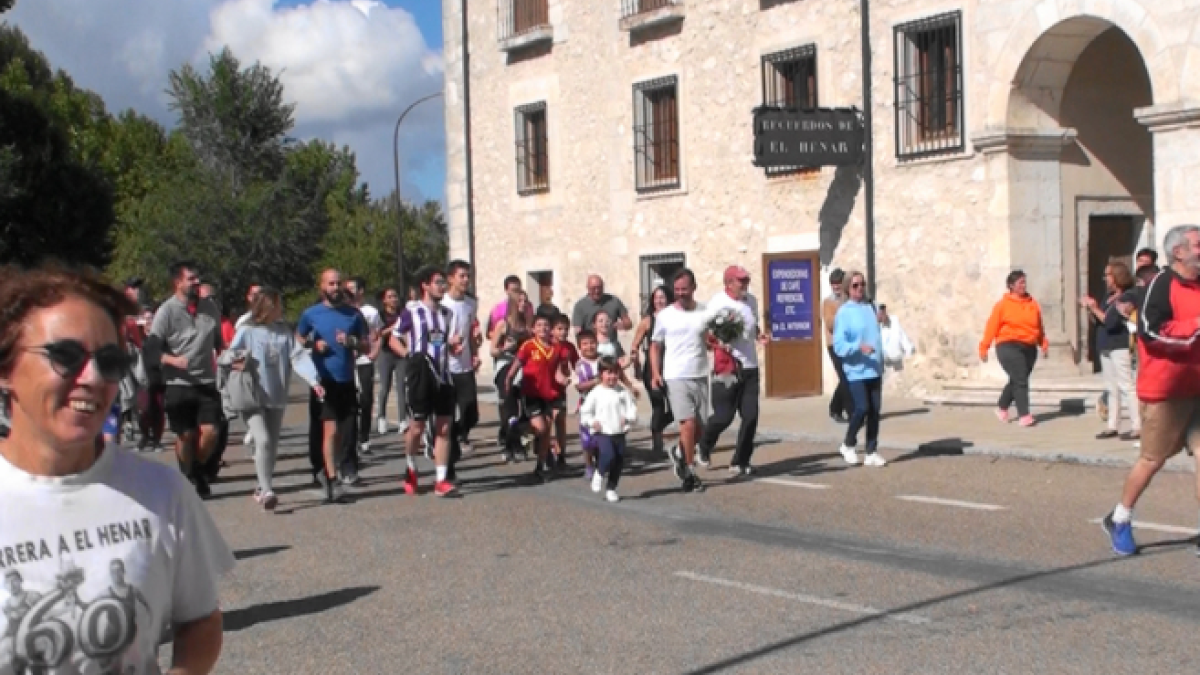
x: 1016, y: 328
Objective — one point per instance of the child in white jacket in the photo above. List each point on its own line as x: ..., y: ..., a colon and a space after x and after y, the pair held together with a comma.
x: 609, y: 411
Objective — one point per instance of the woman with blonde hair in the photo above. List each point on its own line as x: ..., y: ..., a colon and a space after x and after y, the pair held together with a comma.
x: 271, y: 344
x: 1112, y: 349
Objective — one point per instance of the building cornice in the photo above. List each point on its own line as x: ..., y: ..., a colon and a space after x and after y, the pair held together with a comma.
x: 1169, y: 116
x: 1024, y: 143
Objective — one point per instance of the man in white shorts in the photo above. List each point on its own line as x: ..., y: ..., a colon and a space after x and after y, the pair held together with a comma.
x: 679, y: 363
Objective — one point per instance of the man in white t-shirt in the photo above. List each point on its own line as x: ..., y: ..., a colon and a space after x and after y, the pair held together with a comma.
x: 679, y: 362
x: 356, y: 291
x: 736, y: 392
x: 463, y: 364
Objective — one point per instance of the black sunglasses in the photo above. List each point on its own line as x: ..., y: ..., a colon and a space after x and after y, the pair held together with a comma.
x: 70, y: 357
x: 856, y: 285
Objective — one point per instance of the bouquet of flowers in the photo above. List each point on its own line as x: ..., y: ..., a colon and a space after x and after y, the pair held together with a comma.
x: 726, y: 326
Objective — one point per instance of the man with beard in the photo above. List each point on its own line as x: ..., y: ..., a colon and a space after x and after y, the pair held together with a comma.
x: 1168, y: 381
x: 183, y: 338
x: 335, y: 332
x: 360, y: 441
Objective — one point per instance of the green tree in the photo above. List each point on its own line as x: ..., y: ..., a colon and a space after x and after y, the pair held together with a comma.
x: 56, y: 201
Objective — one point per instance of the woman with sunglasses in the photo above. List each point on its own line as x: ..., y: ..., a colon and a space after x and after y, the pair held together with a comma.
x: 858, y: 342
x: 1015, y: 327
x: 97, y: 506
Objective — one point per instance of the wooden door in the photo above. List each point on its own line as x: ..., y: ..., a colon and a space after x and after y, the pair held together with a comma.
x: 792, y: 313
x: 1110, y: 238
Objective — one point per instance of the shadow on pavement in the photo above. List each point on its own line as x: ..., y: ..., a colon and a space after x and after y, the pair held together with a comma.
x: 241, y: 619
x: 943, y: 447
x: 257, y: 552
x: 903, y: 413
x: 1015, y: 581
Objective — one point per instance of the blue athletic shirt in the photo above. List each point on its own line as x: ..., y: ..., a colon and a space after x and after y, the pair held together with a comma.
x: 321, y: 322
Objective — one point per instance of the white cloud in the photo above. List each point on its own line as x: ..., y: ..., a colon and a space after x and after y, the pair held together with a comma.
x: 350, y: 66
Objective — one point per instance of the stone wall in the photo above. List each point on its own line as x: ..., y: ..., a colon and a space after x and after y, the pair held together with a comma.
x: 943, y: 225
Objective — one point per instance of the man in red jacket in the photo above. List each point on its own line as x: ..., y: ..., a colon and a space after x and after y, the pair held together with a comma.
x: 1168, y: 376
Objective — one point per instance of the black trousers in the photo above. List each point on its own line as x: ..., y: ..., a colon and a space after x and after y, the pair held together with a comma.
x: 366, y: 401
x: 741, y: 398
x: 1017, y: 360
x: 466, y: 415
x: 842, y: 403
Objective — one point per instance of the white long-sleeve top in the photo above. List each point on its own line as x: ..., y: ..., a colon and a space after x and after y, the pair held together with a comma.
x: 613, y: 407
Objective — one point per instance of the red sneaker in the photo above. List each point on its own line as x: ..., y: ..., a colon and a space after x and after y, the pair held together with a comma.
x: 444, y: 488
x: 410, y: 482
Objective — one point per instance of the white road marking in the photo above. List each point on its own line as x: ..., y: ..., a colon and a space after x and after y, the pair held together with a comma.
x: 951, y: 502
x: 806, y: 599
x: 794, y: 483
x: 1170, y: 529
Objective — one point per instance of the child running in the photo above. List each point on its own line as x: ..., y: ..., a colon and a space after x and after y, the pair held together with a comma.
x: 587, y: 376
x: 562, y: 327
x: 543, y: 371
x: 609, y: 411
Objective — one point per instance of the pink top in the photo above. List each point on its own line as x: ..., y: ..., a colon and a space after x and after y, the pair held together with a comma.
x: 500, y: 311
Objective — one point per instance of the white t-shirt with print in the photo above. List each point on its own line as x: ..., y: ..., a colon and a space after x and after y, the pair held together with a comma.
x: 96, y: 564
x: 374, y: 325
x: 465, y: 315
x: 681, y: 333
x: 745, y: 349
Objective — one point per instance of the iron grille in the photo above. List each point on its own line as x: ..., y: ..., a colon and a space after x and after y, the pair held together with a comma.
x: 656, y: 134
x: 635, y: 7
x: 790, y: 81
x: 929, y: 86
x: 517, y: 17
x: 533, y: 159
x: 657, y: 270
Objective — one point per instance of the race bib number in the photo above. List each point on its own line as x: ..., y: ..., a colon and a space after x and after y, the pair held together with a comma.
x: 437, y: 338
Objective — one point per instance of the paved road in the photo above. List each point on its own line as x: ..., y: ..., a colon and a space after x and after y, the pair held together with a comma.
x: 813, y: 567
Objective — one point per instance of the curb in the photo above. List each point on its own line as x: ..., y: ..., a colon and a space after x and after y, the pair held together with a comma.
x: 1174, y: 465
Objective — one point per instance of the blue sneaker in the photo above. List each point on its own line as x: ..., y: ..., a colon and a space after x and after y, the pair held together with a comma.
x: 1121, y: 535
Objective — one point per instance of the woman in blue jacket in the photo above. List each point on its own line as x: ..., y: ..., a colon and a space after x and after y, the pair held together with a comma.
x: 858, y: 341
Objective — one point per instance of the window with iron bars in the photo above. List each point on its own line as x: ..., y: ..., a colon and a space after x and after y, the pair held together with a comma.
x: 658, y: 270
x: 517, y: 17
x: 656, y: 134
x: 790, y: 81
x: 635, y: 7
x: 929, y: 86
x: 533, y: 166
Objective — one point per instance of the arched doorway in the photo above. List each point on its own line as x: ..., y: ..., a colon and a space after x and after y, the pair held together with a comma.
x: 1081, y: 170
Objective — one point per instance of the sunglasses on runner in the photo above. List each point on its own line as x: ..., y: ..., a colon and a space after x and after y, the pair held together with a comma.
x: 70, y: 357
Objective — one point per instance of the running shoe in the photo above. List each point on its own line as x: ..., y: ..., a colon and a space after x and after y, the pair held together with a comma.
x: 410, y: 481
x: 597, y: 482
x: 365, y: 449
x: 381, y: 425
x: 612, y: 497
x: 702, y: 456
x: 269, y: 501
x: 1120, y: 534
x: 874, y: 459
x: 444, y: 488
x: 351, y: 480
x: 735, y: 470
x: 677, y: 463
x: 849, y: 455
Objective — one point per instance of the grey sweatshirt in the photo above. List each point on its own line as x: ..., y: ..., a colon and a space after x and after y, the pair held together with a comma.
x: 193, y: 337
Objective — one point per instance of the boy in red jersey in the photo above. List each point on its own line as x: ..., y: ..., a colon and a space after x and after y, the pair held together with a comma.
x: 544, y: 371
x: 562, y: 326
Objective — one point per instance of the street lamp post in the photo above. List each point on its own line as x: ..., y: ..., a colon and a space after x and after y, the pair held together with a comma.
x: 396, y: 197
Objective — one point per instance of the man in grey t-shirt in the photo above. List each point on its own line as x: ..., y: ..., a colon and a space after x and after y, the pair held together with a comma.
x: 596, y: 301
x: 184, y: 338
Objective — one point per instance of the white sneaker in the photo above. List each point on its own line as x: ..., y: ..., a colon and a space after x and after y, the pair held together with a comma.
x: 248, y: 440
x: 612, y: 497
x: 849, y: 455
x: 874, y: 459
x: 597, y: 481
x: 403, y: 426
x: 381, y: 425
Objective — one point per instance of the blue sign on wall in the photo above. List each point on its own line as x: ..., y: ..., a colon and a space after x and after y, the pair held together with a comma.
x: 790, y: 299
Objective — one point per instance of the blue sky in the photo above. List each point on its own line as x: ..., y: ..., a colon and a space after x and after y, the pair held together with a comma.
x: 349, y: 74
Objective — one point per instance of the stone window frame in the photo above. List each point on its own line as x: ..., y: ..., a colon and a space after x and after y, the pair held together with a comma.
x: 929, y: 66
x: 802, y: 58
x: 521, y: 17
x: 656, y: 107
x: 532, y: 148
x: 646, y: 264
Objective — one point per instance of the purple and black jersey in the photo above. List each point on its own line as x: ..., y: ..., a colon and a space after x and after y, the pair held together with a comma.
x: 427, y: 331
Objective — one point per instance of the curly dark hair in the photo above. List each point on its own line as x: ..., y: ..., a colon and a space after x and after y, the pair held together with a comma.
x: 24, y: 290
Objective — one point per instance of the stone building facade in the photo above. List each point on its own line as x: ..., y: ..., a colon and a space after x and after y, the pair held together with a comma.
x: 1046, y: 135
